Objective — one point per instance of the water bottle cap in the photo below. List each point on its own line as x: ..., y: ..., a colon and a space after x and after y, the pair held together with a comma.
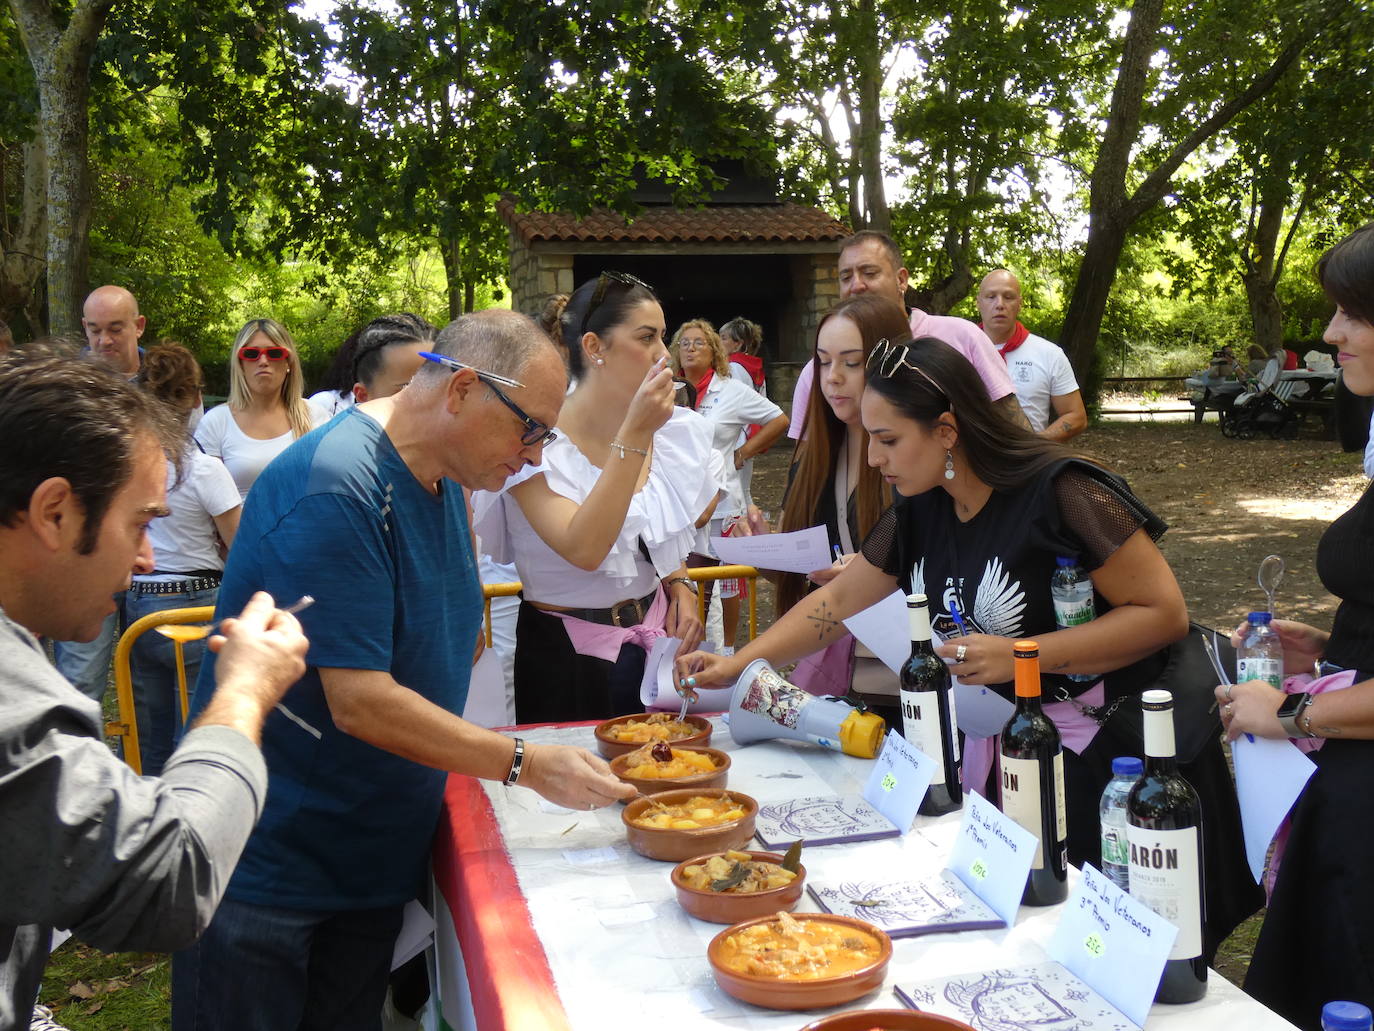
x: 1262, y: 618
x: 1127, y: 766
x: 1345, y: 1016
x: 1065, y: 561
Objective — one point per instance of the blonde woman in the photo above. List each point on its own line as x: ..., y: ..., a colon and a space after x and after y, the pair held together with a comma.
x: 266, y: 410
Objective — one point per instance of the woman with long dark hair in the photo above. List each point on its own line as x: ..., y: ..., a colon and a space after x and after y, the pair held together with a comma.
x: 600, y: 530
x: 986, y: 507
x: 1317, y: 942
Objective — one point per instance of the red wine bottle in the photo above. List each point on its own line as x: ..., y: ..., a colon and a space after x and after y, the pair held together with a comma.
x: 928, y: 713
x: 1164, y: 828
x: 1031, y: 777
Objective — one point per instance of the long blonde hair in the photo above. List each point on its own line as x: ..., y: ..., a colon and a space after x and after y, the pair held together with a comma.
x: 720, y: 361
x: 293, y: 387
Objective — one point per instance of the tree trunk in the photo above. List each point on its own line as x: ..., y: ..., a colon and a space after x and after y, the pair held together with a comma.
x: 469, y: 294
x: 1083, y: 317
x: 22, y: 253
x: 453, y: 276
x: 1260, y: 270
x: 870, y: 142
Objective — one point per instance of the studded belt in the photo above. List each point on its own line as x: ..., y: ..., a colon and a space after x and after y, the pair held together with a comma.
x: 203, y: 583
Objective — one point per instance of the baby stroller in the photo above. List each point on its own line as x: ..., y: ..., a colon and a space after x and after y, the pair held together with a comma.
x: 1261, y: 409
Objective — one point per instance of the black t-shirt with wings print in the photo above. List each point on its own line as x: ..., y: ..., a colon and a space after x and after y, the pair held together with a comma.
x: 997, y: 566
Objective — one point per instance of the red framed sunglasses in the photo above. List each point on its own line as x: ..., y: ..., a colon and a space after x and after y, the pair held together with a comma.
x: 273, y: 354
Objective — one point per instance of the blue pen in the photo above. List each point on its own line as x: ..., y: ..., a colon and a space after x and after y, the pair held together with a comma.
x: 837, y: 552
x: 958, y: 618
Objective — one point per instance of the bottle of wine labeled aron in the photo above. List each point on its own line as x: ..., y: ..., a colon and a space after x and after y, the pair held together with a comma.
x: 928, y: 712
x: 1031, y: 778
x: 1164, y: 827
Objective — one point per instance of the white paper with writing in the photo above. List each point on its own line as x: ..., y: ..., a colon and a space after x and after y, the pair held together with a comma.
x: 801, y: 551
x: 992, y: 856
x: 898, y: 781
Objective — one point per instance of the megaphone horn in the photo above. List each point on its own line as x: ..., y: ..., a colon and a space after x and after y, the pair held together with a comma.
x: 763, y: 705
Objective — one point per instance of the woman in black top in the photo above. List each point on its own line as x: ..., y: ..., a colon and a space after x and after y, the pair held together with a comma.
x: 985, y: 509
x: 1317, y: 943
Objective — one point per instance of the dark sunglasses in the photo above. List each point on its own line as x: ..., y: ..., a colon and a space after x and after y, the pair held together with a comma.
x: 604, y: 282
x: 535, y: 431
x: 274, y: 354
x: 886, y: 358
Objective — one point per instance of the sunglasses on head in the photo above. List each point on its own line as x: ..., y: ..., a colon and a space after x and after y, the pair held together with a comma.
x: 536, y: 432
x: 273, y: 354
x: 886, y: 358
x: 604, y: 282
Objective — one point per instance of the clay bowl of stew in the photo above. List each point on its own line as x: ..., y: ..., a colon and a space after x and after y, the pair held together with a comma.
x: 855, y: 969
x: 733, y: 907
x: 886, y: 1020
x: 683, y: 835
x: 610, y: 746
x: 713, y: 778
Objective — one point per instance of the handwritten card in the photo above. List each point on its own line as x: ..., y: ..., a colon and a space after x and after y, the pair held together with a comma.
x: 898, y: 781
x: 1114, y: 943
x: 821, y: 820
x: 992, y: 855
x: 1270, y: 775
x: 884, y: 629
x: 1043, y: 995
x: 658, y: 690
x: 801, y: 551
x: 907, y: 908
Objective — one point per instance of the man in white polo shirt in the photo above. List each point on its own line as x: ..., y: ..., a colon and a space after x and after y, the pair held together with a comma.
x: 1040, y: 371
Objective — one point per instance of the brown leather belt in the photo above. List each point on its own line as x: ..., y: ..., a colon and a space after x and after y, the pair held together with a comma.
x: 622, y: 613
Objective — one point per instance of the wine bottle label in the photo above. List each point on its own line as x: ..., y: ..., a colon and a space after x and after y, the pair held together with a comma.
x: 921, y: 727
x: 1021, y: 800
x: 1164, y: 876
x: 1257, y: 668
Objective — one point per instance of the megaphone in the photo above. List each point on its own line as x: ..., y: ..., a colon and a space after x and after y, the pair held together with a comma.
x: 763, y: 705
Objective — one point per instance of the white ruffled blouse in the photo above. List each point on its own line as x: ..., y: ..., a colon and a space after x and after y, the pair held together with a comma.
x: 662, y: 514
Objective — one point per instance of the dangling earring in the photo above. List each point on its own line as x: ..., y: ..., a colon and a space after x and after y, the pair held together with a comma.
x: 949, y: 465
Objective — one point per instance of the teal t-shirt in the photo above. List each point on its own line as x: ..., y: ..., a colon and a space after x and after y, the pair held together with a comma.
x: 339, y: 516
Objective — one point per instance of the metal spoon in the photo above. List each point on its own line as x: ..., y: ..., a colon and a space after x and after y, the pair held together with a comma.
x: 1270, y: 576
x: 187, y: 632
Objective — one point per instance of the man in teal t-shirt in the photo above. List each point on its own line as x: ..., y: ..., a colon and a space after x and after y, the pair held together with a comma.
x: 366, y: 514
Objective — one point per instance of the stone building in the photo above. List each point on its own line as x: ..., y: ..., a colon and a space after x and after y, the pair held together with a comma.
x: 768, y: 261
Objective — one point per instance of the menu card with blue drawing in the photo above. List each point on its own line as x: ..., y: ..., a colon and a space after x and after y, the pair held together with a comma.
x: 905, y: 909
x: 821, y: 820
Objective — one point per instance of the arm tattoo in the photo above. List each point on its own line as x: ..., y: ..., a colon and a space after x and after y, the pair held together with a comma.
x: 1330, y: 731
x: 1062, y: 665
x: 824, y: 621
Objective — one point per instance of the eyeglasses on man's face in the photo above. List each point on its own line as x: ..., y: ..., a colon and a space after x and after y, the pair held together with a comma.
x: 272, y: 354
x: 536, y: 432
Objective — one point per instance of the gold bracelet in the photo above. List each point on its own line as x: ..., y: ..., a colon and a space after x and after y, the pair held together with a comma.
x: 622, y: 448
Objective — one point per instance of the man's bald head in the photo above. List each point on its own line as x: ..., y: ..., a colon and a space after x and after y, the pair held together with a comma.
x: 113, y: 326
x: 999, y: 304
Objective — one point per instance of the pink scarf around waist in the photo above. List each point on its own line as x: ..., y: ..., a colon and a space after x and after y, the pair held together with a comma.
x: 604, y: 642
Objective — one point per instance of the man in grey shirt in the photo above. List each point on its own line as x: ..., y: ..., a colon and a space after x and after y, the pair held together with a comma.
x: 123, y: 861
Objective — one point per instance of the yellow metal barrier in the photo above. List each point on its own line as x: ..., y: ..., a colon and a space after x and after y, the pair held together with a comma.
x: 126, y: 726
x: 730, y: 573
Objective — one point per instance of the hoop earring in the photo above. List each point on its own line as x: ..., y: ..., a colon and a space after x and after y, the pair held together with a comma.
x: 949, y: 465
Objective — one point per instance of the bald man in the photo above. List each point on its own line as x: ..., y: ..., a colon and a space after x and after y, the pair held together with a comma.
x: 113, y: 326
x: 1040, y: 371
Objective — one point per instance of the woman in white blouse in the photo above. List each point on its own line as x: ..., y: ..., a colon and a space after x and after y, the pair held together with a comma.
x: 730, y: 407
x: 265, y: 411
x: 600, y: 530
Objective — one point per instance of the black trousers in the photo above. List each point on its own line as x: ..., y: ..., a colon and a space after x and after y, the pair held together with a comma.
x: 555, y: 684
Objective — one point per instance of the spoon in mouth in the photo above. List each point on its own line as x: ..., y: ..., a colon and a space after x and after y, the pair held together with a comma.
x: 187, y: 632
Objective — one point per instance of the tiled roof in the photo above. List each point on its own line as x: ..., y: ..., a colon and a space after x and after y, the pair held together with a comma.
x: 735, y: 223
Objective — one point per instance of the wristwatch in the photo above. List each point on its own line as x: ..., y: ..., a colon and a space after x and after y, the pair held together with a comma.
x: 1290, y: 714
x: 691, y: 584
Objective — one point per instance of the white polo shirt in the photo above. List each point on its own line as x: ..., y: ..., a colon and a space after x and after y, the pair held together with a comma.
x: 729, y: 407
x: 1039, y: 370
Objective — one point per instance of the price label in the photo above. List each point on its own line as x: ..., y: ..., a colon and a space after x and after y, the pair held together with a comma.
x: 979, y: 869
x: 1094, y: 945
x: 888, y: 782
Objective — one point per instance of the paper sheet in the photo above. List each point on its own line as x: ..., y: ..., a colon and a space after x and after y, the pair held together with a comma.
x: 801, y: 551
x: 417, y: 931
x: 658, y: 691
x: 884, y: 629
x: 901, y: 775
x: 1270, y: 775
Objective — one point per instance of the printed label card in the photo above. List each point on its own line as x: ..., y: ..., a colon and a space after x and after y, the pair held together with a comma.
x: 1115, y: 943
x: 821, y: 820
x: 905, y: 909
x: 992, y: 855
x: 898, y: 781
x: 1030, y: 998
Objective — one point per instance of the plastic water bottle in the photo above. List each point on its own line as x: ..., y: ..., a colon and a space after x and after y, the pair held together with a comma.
x: 1116, y: 850
x: 1260, y: 655
x: 1072, y: 592
x: 1346, y: 1016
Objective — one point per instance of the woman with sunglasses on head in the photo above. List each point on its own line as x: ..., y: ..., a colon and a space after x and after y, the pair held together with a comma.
x: 985, y: 508
x: 265, y: 411
x: 600, y: 530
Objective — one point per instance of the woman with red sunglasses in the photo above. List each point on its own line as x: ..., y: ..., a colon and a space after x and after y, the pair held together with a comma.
x: 266, y: 409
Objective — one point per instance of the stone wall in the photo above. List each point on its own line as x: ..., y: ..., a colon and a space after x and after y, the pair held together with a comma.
x: 533, y: 277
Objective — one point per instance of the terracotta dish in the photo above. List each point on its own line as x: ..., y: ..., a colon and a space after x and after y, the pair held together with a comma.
x: 675, y: 844
x: 650, y: 785
x: 886, y: 1020
x: 609, y: 747
x: 815, y: 992
x: 728, y: 907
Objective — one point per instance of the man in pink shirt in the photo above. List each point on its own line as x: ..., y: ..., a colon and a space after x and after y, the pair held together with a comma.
x: 871, y: 261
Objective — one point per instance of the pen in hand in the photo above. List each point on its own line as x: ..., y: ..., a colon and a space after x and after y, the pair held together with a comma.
x: 958, y: 618
x: 835, y: 550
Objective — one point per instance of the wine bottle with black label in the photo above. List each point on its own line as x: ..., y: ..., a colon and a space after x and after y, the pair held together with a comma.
x: 928, y: 713
x: 1164, y: 828
x: 1031, y: 777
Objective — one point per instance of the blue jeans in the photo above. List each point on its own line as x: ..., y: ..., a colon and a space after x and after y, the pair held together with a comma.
x: 152, y: 665
x: 86, y: 664
x: 264, y: 968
